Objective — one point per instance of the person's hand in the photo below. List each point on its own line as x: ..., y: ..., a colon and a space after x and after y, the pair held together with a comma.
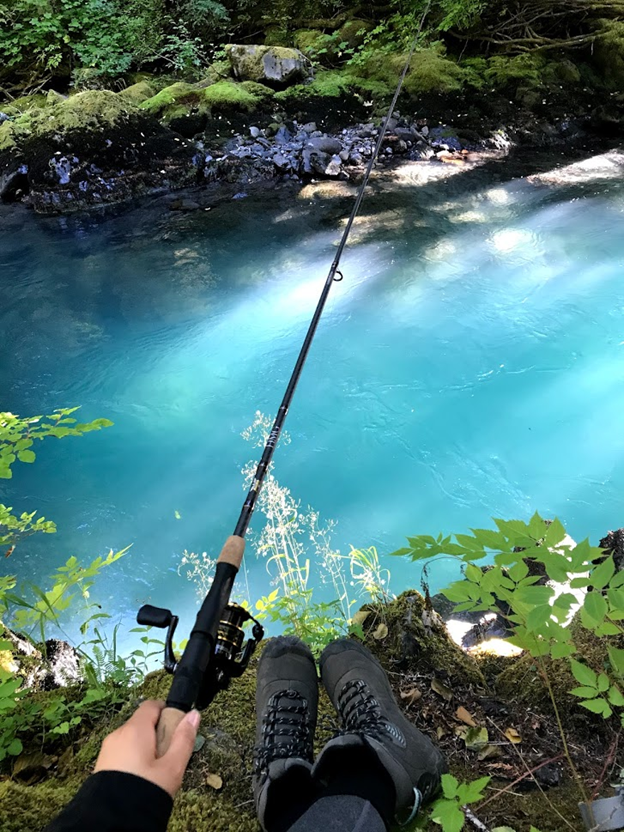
x: 132, y: 748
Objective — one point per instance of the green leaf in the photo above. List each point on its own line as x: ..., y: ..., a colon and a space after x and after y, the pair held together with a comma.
x: 598, y: 706
x: 562, y: 649
x: 449, y: 786
x: 615, y: 697
x: 616, y: 657
x: 602, y: 574
x: 489, y: 538
x: 473, y: 573
x: 608, y: 629
x: 538, y: 617
x: 537, y: 527
x: 448, y: 815
x: 603, y: 682
x: 595, y: 606
x: 518, y: 571
x: 584, y: 692
x: 554, y: 534
x: 473, y: 791
x: 15, y: 747
x: 583, y: 674
x: 26, y: 456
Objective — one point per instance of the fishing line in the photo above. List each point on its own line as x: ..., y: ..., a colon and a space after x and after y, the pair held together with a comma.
x: 215, y: 652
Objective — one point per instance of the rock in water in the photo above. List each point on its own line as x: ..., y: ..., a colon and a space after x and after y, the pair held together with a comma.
x: 276, y: 65
x: 92, y: 149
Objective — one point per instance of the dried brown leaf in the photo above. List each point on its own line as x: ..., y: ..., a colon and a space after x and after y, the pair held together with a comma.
x: 381, y: 632
x: 360, y: 617
x: 441, y: 689
x: 411, y: 696
x: 465, y: 716
x: 513, y: 736
x: 488, y: 752
x: 215, y: 781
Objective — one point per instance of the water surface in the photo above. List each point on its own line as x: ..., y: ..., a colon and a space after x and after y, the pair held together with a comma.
x: 470, y: 365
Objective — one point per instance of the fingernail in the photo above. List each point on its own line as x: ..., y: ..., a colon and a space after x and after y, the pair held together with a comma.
x: 194, y: 717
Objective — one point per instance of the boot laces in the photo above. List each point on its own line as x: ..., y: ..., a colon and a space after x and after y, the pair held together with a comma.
x: 361, y: 714
x: 285, y: 730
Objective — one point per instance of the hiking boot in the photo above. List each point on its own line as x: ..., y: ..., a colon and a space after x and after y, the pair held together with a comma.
x: 286, y: 708
x: 372, y: 721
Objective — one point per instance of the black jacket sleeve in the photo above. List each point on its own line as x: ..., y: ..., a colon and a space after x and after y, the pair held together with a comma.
x: 113, y: 801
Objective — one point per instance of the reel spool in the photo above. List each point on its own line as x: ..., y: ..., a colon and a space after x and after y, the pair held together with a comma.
x: 231, y: 655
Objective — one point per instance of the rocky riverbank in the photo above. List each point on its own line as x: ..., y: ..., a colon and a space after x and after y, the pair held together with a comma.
x: 263, y: 116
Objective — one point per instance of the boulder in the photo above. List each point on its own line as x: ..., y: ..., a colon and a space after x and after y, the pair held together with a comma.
x: 91, y: 150
x: 325, y: 144
x: 274, y: 65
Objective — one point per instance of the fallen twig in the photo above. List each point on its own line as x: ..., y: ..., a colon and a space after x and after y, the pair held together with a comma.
x: 521, y: 778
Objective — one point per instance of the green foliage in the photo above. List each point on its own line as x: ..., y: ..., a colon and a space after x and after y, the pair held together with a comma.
x: 14, y: 529
x: 43, y: 36
x: 34, y: 610
x: 18, y: 435
x: 503, y: 70
x: 520, y: 555
x: 447, y: 810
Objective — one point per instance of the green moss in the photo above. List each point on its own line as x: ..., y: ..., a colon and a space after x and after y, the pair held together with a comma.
x: 163, y: 104
x: 353, y: 33
x: 327, y: 84
x: 417, y: 646
x: 277, y: 36
x: 138, y: 93
x: 309, y: 41
x: 92, y: 109
x: 32, y: 807
x: 504, y: 71
x: 430, y: 71
x: 22, y: 105
x: 228, y: 95
x: 181, y: 98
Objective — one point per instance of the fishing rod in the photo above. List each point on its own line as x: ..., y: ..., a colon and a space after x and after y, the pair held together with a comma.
x: 214, y: 653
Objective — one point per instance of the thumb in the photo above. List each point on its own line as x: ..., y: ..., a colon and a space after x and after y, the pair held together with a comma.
x: 183, y: 741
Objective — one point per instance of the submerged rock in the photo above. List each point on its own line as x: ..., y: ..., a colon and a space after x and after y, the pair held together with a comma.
x: 90, y: 150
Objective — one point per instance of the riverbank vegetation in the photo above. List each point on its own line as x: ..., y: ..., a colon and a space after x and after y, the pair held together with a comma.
x: 70, y: 44
x: 527, y: 734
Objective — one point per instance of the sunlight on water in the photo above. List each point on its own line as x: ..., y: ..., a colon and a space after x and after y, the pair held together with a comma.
x: 470, y: 364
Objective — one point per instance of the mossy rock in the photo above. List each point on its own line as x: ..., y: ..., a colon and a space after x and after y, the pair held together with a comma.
x: 309, y: 41
x: 182, y: 99
x: 430, y: 72
x: 138, y: 93
x: 564, y: 72
x: 418, y: 640
x: 89, y: 110
x: 275, y: 65
x: 24, y: 104
x: 353, y: 33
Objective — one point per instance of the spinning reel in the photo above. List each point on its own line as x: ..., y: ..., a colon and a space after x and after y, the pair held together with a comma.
x: 230, y: 656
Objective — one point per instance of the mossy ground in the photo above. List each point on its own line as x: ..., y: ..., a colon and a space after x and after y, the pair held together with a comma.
x: 431, y: 677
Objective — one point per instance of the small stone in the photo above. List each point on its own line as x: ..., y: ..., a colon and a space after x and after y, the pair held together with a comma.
x: 310, y: 127
x: 424, y: 130
x: 325, y: 144
x: 392, y: 124
x: 200, y: 741
x: 280, y: 161
x: 254, y: 132
x: 344, y: 155
x: 283, y: 135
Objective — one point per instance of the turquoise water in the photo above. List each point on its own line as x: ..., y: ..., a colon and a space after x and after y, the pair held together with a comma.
x: 470, y: 365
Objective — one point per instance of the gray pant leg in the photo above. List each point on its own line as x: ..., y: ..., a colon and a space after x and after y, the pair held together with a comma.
x: 340, y: 813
